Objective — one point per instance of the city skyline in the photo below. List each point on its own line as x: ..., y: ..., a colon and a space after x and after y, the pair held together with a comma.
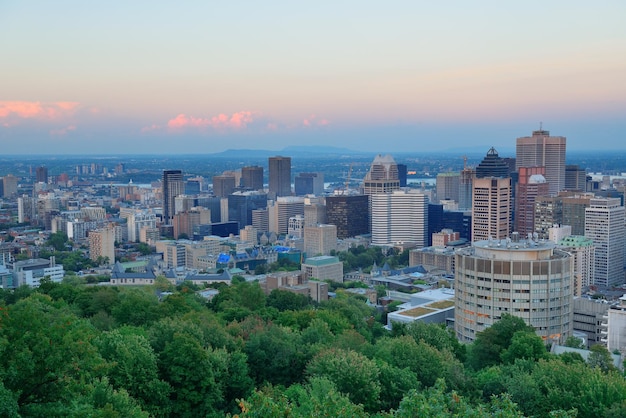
x: 158, y: 78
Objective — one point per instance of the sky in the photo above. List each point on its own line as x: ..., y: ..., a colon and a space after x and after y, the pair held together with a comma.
x: 139, y: 76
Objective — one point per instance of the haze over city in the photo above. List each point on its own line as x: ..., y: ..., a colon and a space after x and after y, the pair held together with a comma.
x: 203, y: 77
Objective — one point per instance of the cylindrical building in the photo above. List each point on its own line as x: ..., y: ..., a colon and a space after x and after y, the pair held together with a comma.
x: 529, y: 279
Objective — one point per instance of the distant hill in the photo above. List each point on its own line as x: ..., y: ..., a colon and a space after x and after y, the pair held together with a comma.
x: 291, y: 151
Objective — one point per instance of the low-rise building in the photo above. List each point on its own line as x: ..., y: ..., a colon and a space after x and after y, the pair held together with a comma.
x: 323, y: 268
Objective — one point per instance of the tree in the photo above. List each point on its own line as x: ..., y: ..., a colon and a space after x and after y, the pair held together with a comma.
x: 575, y: 342
x: 490, y: 343
x: 57, y: 241
x: 284, y: 300
x: 46, y: 353
x: 524, y: 345
x: 135, y: 369
x: 601, y: 358
x: 352, y: 373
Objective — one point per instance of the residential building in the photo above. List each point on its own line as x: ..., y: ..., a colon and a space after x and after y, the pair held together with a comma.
x: 102, y: 243
x: 320, y: 239
x: 583, y: 252
x: 529, y: 279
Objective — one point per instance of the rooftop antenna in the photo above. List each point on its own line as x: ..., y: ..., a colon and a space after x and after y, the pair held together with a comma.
x: 464, y: 162
x: 541, y: 126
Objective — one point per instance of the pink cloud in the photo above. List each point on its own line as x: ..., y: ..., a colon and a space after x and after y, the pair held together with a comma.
x: 312, y: 120
x: 36, y: 110
x: 238, y: 120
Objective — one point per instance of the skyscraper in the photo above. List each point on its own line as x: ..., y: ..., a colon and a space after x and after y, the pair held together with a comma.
x: 400, y: 218
x: 42, y: 174
x: 604, y: 224
x: 448, y: 186
x: 279, y: 177
x: 252, y: 177
x: 349, y: 213
x: 223, y: 185
x: 531, y: 184
x: 382, y: 176
x: 173, y: 185
x: 541, y: 149
x: 491, y: 199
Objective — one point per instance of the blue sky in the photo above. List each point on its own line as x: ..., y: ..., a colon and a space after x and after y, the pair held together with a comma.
x: 85, y: 77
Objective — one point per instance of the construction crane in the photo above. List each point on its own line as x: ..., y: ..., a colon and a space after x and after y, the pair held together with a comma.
x: 348, y: 179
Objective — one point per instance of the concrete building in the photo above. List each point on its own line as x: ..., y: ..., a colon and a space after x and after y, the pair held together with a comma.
x: 529, y: 279
x: 241, y: 204
x: 173, y: 185
x: 466, y: 181
x: 589, y: 318
x: 137, y: 220
x: 530, y: 185
x: 491, y: 210
x: 382, y: 176
x: 441, y: 239
x: 399, y: 217
x: 279, y: 177
x: 323, y: 268
x: 281, y: 209
x: 583, y: 252
x: 309, y: 183
x: 320, y: 239
x: 615, y: 338
x: 604, y: 224
x: 349, y: 213
x: 314, y: 213
x: 223, y: 185
x: 543, y: 150
x: 448, y: 185
x: 252, y: 177
x: 296, y: 227
x: 434, y: 306
x: 575, y: 179
x: 31, y: 272
x: 102, y: 243
x: 433, y: 258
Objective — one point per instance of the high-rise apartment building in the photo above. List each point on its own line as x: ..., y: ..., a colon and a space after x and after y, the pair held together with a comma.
x: 252, y: 177
x: 349, y: 213
x: 531, y: 184
x: 529, y: 279
x: 382, y: 176
x: 320, y: 239
x: 173, y: 185
x: 547, y: 151
x: 400, y: 218
x: 102, y: 243
x: 604, y: 224
x: 279, y: 177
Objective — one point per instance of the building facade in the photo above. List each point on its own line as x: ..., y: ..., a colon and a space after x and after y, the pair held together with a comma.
x: 604, y: 224
x: 543, y: 150
x: 400, y: 218
x: 173, y: 185
x: 529, y: 279
x: 279, y: 176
